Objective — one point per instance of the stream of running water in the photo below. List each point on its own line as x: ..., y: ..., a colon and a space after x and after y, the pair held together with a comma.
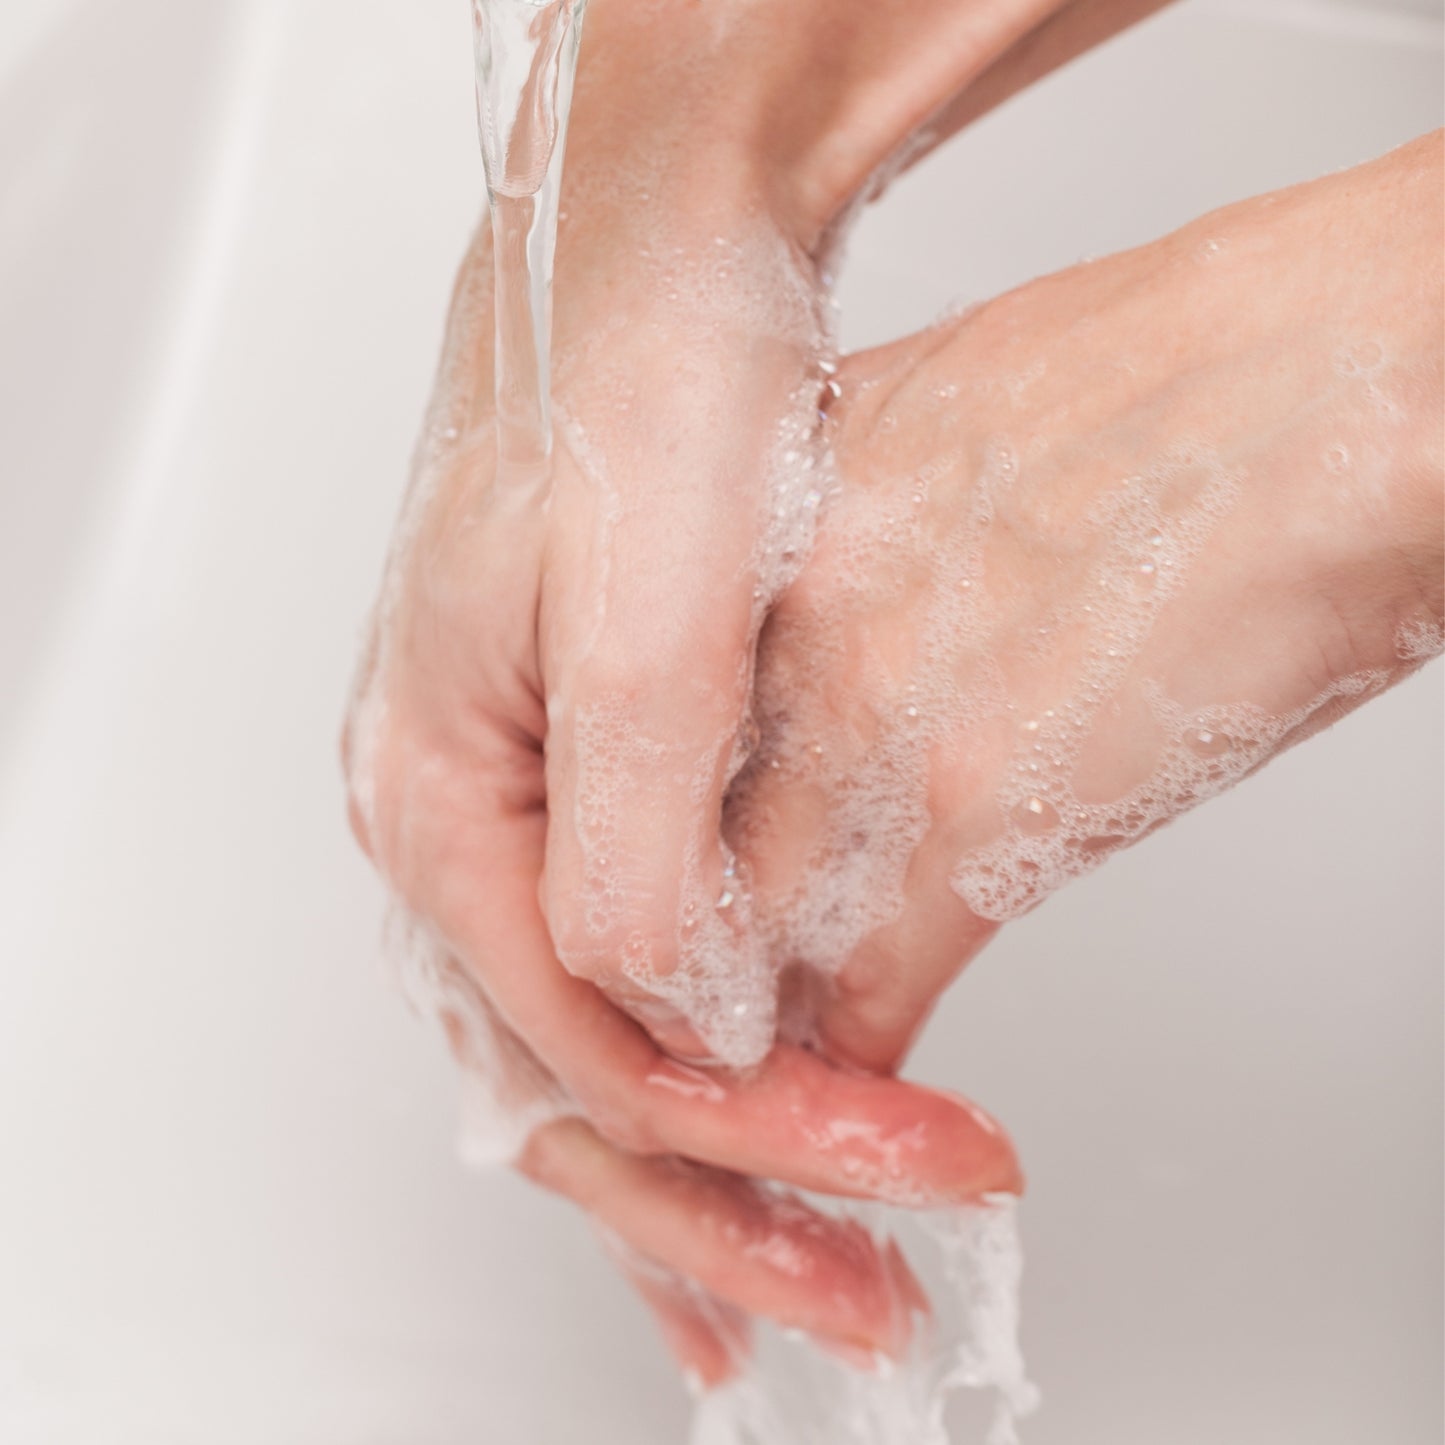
x: 786, y: 1392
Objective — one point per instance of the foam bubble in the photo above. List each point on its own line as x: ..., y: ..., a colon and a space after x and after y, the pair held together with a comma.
x: 1419, y: 639
x: 1204, y: 752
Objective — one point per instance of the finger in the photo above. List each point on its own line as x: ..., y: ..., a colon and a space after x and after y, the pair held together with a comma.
x: 794, y: 1118
x: 650, y: 609
x: 709, y: 1340
x: 867, y: 1012
x: 756, y: 1249
x: 858, y: 905
x: 873, y: 1008
x: 717, y: 1246
x: 638, y: 890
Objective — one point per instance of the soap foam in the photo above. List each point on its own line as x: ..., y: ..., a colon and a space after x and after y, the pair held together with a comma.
x: 790, y: 1392
x: 506, y: 1092
x: 1419, y: 639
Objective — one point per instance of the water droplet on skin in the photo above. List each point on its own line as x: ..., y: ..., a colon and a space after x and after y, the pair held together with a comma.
x: 1337, y: 458
x: 1156, y: 539
x: 1362, y: 358
x: 1031, y: 726
x: 887, y: 422
x: 1208, y: 744
x: 1036, y: 815
x: 828, y: 368
x: 1146, y: 569
x: 1210, y: 249
x: 910, y: 711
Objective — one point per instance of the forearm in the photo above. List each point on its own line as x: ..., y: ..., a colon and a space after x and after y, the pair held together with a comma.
x: 1072, y: 29
x: 798, y: 105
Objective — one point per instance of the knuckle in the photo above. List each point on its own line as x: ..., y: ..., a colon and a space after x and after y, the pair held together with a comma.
x: 600, y: 938
x: 623, y: 1119
x: 545, y: 1157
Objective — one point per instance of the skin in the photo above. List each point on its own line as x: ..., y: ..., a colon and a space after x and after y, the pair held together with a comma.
x: 462, y: 745
x: 1294, y: 340
x: 508, y: 615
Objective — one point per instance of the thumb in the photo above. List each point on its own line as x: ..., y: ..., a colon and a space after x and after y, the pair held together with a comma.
x: 647, y: 682
x: 682, y: 497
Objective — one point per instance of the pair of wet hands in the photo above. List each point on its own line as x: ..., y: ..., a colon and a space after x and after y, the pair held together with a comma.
x: 1048, y: 532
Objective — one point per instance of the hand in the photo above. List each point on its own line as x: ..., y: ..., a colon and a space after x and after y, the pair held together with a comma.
x: 1100, y: 549
x: 551, y: 706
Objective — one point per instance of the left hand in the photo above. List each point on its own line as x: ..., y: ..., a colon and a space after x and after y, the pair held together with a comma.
x: 1102, y: 547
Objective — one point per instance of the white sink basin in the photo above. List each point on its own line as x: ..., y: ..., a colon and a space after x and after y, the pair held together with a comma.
x: 228, y: 1206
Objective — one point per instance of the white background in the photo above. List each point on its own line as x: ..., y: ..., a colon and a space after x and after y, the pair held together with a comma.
x: 228, y: 1206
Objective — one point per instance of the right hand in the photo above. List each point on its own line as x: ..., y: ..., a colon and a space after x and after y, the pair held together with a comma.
x: 552, y: 702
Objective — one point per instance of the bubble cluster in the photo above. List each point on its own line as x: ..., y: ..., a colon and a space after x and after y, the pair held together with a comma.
x: 931, y: 603
x: 1049, y: 841
x: 506, y: 1093
x: 1419, y: 639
